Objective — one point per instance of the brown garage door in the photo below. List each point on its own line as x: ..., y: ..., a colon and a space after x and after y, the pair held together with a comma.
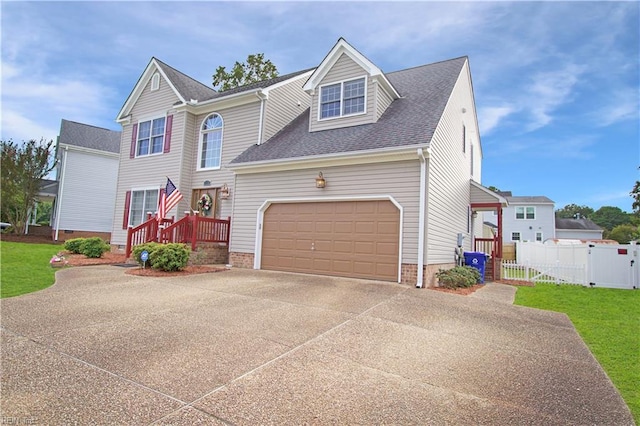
x: 350, y: 239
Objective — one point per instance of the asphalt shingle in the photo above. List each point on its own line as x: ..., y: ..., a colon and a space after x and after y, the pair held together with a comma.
x: 86, y: 136
x: 410, y: 120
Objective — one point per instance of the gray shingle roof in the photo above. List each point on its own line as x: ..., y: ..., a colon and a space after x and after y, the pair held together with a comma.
x: 86, y: 136
x: 582, y: 224
x: 409, y: 120
x: 193, y: 89
x: 536, y: 199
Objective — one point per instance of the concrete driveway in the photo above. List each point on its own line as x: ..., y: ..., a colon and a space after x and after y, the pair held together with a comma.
x: 254, y: 347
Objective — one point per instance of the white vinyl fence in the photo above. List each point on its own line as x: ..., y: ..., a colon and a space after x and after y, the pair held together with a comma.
x: 600, y: 265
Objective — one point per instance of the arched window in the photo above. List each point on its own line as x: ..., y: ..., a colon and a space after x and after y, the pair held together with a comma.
x: 155, y: 82
x: 210, y: 149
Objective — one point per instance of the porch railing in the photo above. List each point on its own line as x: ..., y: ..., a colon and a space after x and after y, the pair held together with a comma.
x: 188, y: 230
x: 485, y: 245
x: 194, y: 229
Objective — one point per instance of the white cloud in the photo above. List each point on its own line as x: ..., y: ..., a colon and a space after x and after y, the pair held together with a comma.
x: 548, y: 91
x: 21, y: 128
x: 490, y: 117
x: 622, y: 105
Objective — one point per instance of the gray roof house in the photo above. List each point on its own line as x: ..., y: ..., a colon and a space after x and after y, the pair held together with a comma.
x: 341, y: 170
x: 86, y: 174
x: 577, y: 229
x: 528, y: 218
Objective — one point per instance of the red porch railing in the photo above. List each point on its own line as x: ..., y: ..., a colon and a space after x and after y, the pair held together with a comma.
x: 194, y: 229
x: 188, y: 230
x: 492, y: 247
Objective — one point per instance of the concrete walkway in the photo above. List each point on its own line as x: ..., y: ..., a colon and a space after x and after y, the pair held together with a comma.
x: 496, y: 292
x: 254, y: 347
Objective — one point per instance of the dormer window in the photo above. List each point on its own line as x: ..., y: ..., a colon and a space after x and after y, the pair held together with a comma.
x: 344, y: 98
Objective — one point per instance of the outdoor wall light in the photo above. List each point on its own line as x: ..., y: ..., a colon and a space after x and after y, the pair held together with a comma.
x: 320, y: 182
x: 224, y: 192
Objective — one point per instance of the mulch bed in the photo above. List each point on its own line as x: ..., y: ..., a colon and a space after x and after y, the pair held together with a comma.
x: 461, y: 291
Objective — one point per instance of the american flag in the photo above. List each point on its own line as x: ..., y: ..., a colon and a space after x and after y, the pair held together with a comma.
x: 168, y: 199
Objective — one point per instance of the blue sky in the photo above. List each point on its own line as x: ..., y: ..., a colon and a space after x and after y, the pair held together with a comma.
x: 557, y: 84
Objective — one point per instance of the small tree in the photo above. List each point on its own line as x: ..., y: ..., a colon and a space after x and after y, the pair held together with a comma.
x: 23, y: 167
x: 255, y: 69
x: 624, y: 234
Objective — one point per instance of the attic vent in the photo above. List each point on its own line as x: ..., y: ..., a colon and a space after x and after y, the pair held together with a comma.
x: 155, y: 82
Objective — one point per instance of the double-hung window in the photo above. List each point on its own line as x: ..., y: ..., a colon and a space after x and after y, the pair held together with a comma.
x: 150, y: 137
x: 142, y: 202
x: 525, y: 212
x: 210, y: 149
x: 344, y: 98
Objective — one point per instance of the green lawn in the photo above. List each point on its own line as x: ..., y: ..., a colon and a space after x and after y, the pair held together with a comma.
x: 24, y: 268
x: 608, y: 320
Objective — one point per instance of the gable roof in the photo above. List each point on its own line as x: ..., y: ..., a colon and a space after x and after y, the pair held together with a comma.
x: 536, y: 199
x: 189, y: 90
x: 342, y: 47
x: 578, y: 224
x: 410, y: 120
x: 86, y: 136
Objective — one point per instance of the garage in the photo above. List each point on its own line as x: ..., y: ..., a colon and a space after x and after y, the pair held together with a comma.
x: 358, y: 239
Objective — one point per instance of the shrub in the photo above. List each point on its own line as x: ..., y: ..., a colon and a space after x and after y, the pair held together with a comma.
x: 460, y: 276
x: 136, y: 251
x: 170, y: 257
x: 74, y: 245
x: 94, y: 247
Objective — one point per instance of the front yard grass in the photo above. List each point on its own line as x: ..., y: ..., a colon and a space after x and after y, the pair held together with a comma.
x: 24, y: 268
x: 608, y: 320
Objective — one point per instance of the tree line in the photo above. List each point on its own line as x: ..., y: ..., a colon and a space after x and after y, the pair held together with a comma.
x: 618, y: 225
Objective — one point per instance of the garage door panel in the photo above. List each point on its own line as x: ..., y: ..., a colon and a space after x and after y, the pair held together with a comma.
x: 355, y: 238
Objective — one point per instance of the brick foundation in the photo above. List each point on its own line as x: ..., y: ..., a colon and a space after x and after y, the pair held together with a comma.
x: 210, y: 254
x: 241, y: 260
x: 409, y: 273
x: 64, y: 235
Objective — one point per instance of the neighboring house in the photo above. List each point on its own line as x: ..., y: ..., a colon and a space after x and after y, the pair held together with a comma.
x: 338, y: 170
x: 87, y: 170
x: 577, y: 229
x: 527, y: 218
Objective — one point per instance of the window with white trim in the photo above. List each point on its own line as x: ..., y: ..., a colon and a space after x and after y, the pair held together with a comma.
x: 142, y: 202
x: 515, y: 236
x: 150, y: 137
x: 344, y: 98
x: 155, y: 82
x: 210, y: 147
x: 525, y: 212
x: 539, y: 236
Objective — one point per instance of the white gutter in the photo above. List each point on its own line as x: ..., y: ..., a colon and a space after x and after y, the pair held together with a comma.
x: 60, y: 191
x: 262, y: 98
x: 421, y: 216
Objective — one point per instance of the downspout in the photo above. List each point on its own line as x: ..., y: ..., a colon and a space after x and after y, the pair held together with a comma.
x: 262, y: 98
x: 421, y: 216
x: 60, y: 190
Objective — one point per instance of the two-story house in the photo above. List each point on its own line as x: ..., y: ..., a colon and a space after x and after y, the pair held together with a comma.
x: 526, y: 218
x: 86, y: 175
x: 338, y: 170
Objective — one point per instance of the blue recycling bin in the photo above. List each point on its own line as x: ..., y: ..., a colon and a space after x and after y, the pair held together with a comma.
x: 476, y: 259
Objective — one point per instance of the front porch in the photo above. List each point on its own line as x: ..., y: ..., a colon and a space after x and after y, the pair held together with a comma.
x: 194, y: 230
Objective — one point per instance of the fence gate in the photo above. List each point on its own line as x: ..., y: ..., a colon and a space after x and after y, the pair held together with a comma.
x: 613, y: 266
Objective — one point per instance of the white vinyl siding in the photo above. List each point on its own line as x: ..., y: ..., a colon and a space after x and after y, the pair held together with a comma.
x: 149, y: 171
x: 345, y: 69
x: 397, y: 179
x: 448, y: 182
x: 383, y: 100
x: 543, y: 223
x: 83, y: 210
x: 282, y: 107
x: 240, y: 132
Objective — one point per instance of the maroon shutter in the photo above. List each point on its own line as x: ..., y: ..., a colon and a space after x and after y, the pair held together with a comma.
x: 134, y: 140
x: 127, y: 204
x: 167, y: 134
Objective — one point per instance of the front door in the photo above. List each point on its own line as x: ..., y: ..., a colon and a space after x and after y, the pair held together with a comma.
x: 204, y: 201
